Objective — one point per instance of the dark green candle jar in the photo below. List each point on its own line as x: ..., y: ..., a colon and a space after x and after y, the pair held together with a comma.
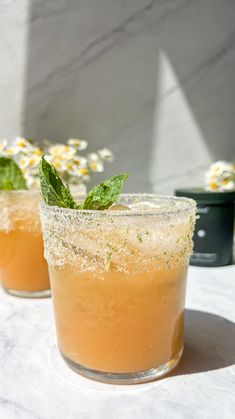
x: 214, y: 231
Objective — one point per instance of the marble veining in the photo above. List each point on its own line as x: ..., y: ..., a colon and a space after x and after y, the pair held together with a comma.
x: 100, y: 45
x: 35, y: 383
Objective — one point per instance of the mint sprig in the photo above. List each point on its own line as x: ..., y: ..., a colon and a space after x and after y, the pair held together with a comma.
x: 55, y: 193
x: 11, y: 176
x: 102, y: 196
x: 53, y: 190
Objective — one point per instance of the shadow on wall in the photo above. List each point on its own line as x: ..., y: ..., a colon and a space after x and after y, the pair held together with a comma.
x: 94, y: 71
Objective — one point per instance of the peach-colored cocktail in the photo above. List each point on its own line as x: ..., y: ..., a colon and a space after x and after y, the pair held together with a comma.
x: 23, y: 268
x: 118, y: 284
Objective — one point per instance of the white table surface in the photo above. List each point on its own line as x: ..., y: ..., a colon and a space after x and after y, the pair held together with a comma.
x: 35, y: 383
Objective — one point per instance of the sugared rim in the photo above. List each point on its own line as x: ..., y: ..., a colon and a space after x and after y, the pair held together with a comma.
x: 184, y: 206
x: 21, y: 191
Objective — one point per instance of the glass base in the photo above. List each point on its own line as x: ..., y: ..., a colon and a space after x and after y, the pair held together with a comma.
x: 28, y: 294
x: 125, y: 378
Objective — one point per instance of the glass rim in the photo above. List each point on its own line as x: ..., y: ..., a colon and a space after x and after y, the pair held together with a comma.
x: 20, y: 191
x: 187, y: 205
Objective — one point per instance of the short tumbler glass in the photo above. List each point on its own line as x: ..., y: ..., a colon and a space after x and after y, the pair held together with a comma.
x: 118, y: 285
x: 23, y: 268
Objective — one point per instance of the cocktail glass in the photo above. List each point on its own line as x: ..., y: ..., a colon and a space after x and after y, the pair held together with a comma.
x: 118, y: 285
x: 23, y: 268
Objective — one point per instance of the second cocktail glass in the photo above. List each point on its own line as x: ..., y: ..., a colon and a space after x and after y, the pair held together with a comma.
x: 23, y: 269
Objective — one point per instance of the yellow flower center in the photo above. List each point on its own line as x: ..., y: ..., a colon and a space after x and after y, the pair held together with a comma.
x: 22, y: 143
x: 57, y: 164
x: 77, y: 162
x: 213, y: 185
x: 10, y: 151
x: 84, y: 171
x: 32, y: 162
x: 38, y: 152
x: 93, y: 166
x: 23, y: 161
x: 69, y: 166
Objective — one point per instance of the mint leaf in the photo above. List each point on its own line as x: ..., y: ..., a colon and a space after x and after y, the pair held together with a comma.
x: 11, y: 177
x: 102, y: 196
x: 53, y: 190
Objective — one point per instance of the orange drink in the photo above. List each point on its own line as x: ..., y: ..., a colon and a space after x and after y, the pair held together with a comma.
x: 23, y: 268
x: 118, y: 285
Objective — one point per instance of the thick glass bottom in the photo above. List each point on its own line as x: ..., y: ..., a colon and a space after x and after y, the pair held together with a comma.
x: 125, y: 378
x: 28, y: 294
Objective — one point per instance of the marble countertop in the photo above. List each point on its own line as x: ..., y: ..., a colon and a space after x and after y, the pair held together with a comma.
x: 35, y: 383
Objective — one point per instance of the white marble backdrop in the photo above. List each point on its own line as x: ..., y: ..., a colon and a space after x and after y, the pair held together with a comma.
x: 153, y: 80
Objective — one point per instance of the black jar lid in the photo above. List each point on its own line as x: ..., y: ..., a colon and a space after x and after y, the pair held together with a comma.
x: 202, y: 196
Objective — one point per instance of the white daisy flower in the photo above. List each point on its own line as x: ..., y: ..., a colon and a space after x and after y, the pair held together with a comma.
x: 29, y: 161
x: 212, y: 186
x: 72, y: 167
x: 95, y: 163
x: 220, y: 177
x: 93, y: 157
x: 227, y: 185
x: 23, y: 162
x: 96, y: 166
x: 59, y: 164
x: 219, y: 166
x: 80, y: 161
x: 34, y: 161
x: 22, y: 144
x: 62, y: 151
x: 84, y: 172
x: 106, y: 154
x: 36, y: 151
x: 10, y: 151
x: 79, y: 144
